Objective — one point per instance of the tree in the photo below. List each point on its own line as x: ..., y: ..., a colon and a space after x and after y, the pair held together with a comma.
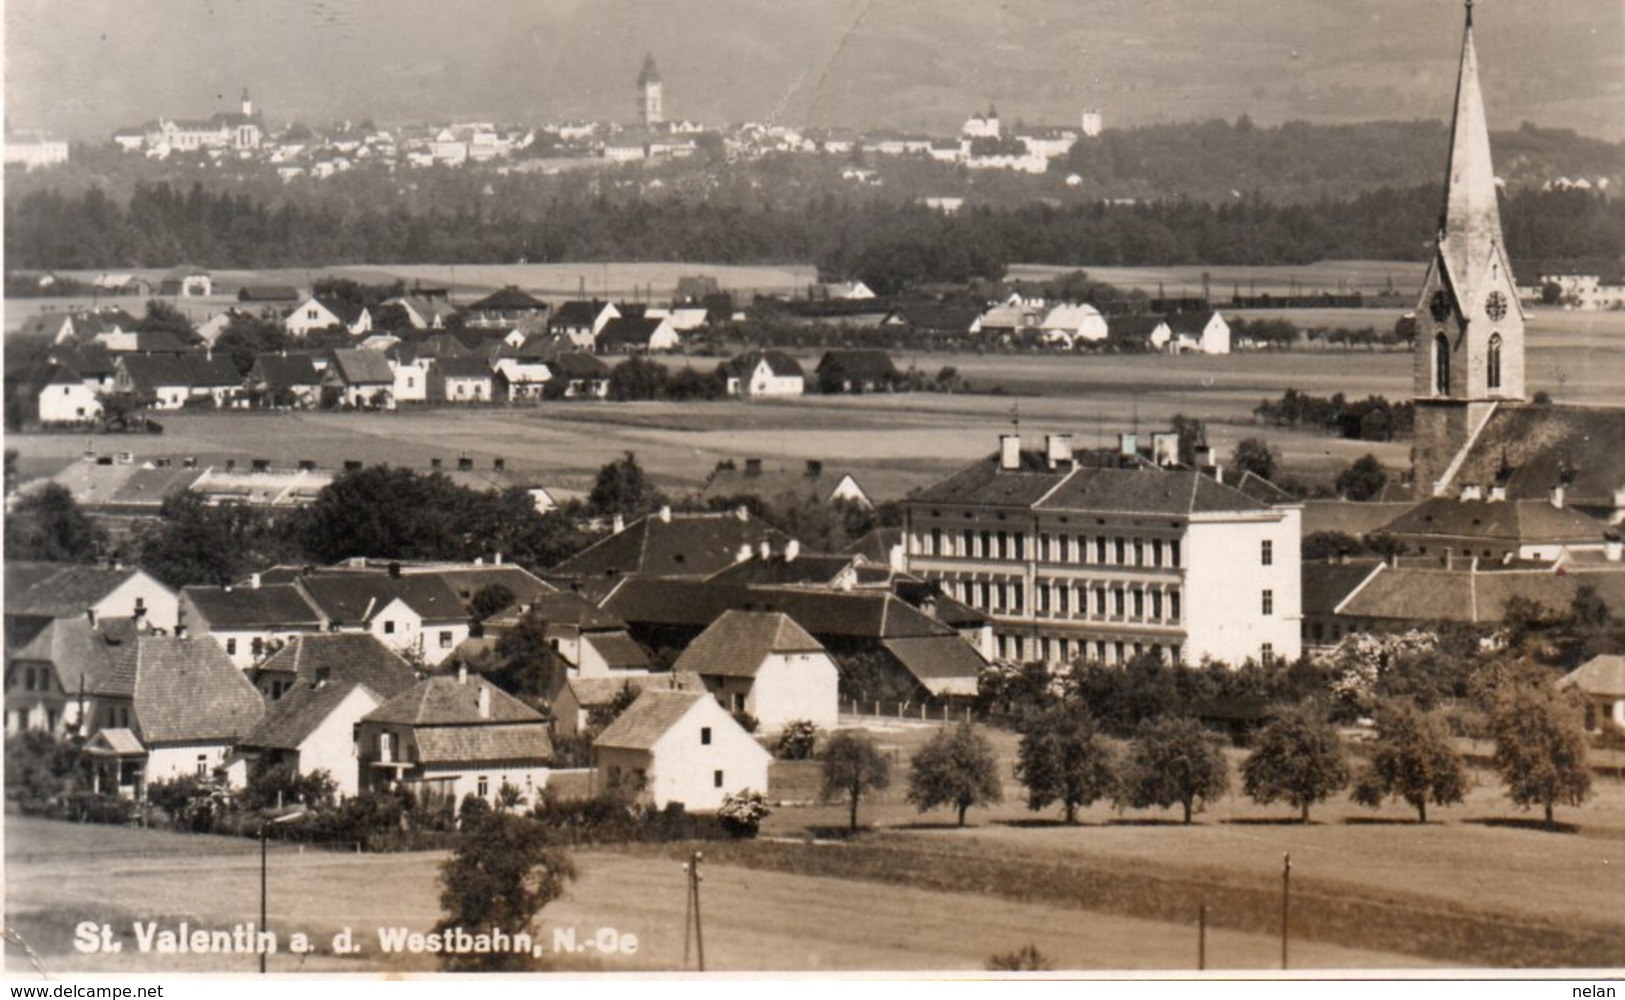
x: 165, y: 317
x: 47, y: 524
x: 1256, y: 456
x: 956, y: 767
x: 1298, y: 759
x: 195, y: 543
x: 1364, y: 479
x: 501, y: 874
x: 1414, y: 760
x: 853, y: 767
x: 637, y: 378
x: 1062, y: 759
x: 1540, y: 749
x: 488, y: 600
x: 1173, y: 760
x: 623, y: 488
x: 1192, y: 433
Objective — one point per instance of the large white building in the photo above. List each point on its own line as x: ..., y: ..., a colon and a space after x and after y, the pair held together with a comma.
x: 1076, y: 562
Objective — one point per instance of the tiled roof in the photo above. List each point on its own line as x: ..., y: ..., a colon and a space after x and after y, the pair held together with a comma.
x: 935, y: 317
x: 446, y: 701
x: 484, y: 744
x: 268, y: 293
x: 771, y: 484
x: 148, y: 372
x: 356, y: 597
x: 462, y: 367
x: 825, y: 614
x: 1414, y: 594
x: 360, y: 367
x: 509, y: 299
x: 984, y: 484
x: 628, y: 330
x: 467, y: 581
x: 686, y: 545
x: 618, y: 650
x: 1501, y: 520
x: 268, y: 605
x: 284, y: 371
x: 290, y: 720
x: 649, y: 718
x: 1539, y: 444
x: 578, y: 312
x: 858, y: 363
x: 82, y: 655
x: 342, y: 657
x: 187, y: 690
x: 809, y: 569
x: 933, y: 660
x: 779, y: 363
x: 347, y: 312
x: 59, y: 590
x: 1190, y: 323
x: 578, y: 365
x: 1326, y: 585
x: 876, y: 545
x: 558, y: 608
x: 591, y: 692
x: 1601, y: 675
x: 1348, y: 517
x: 1146, y: 491
x: 736, y: 644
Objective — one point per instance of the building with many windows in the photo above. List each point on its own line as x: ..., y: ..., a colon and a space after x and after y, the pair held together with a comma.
x: 1105, y: 563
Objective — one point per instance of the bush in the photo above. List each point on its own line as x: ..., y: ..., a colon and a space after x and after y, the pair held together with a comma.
x: 1025, y: 959
x: 747, y: 721
x: 742, y: 813
x: 193, y: 804
x: 796, y: 741
x: 89, y: 807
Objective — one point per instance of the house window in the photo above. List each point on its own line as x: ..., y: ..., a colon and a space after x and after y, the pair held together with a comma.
x: 1266, y: 653
x: 1063, y: 594
x: 1269, y: 602
x: 738, y: 704
x: 1139, y: 603
x: 1118, y: 651
x: 1100, y: 600
x: 987, y: 546
x: 936, y: 541
x: 1173, y: 553
x: 1118, y: 602
x: 1120, y: 550
x: 968, y: 537
x: 1021, y: 545
x: 1016, y: 591
x: 1139, y: 552
x: 1156, y: 605
x: 1100, y: 550
x: 1156, y: 552
x: 1266, y: 552
x: 389, y: 627
x: 705, y: 736
x: 1100, y: 650
x: 1004, y: 545
x: 231, y: 647
x: 1173, y: 605
x: 716, y: 779
x: 202, y: 765
x: 1043, y: 547
x: 445, y: 639
x: 483, y: 787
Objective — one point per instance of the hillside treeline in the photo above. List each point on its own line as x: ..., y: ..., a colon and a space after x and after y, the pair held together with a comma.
x: 887, y: 242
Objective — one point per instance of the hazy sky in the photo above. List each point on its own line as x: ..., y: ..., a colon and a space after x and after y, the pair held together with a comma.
x: 83, y: 68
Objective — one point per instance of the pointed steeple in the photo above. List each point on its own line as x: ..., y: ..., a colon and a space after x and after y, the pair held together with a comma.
x: 1470, y: 227
x: 650, y: 73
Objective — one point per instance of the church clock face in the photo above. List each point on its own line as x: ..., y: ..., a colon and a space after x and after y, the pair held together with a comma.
x: 1496, y: 306
x: 1439, y: 305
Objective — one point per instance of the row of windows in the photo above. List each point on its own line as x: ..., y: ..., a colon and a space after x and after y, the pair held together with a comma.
x: 1044, y: 648
x: 1441, y: 364
x: 1064, y: 599
x: 1080, y: 550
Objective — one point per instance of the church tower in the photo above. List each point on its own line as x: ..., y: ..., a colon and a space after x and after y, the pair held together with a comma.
x: 650, y: 112
x: 1469, y: 325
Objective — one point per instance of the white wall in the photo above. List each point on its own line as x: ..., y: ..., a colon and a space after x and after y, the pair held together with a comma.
x: 466, y: 780
x: 1225, y: 581
x: 169, y: 762
x: 68, y: 403
x: 792, y: 686
x: 683, y: 769
x: 162, y: 605
x: 331, y: 747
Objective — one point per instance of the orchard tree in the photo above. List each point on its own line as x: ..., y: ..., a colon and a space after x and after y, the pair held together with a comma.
x: 501, y: 874
x: 623, y: 488
x: 1173, y: 760
x: 1364, y: 479
x: 1540, y: 748
x: 1062, y: 759
x: 1414, y: 760
x: 957, y: 768
x: 1298, y: 759
x: 853, y: 767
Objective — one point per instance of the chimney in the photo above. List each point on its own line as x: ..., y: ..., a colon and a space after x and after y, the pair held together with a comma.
x: 485, y: 701
x: 465, y: 465
x: 766, y: 550
x: 462, y: 673
x: 665, y: 514
x: 618, y: 524
x: 307, y: 465
x: 742, y: 512
x: 1058, y: 450
x: 815, y: 468
x: 499, y: 464
x: 1559, y: 494
x: 394, y: 571
x: 231, y: 464
x: 1472, y: 492
x: 496, y: 559
x: 1449, y: 558
x: 1498, y: 492
x: 743, y: 555
x: 435, y: 463
x: 253, y: 581
x: 1009, y: 451
x: 753, y: 466
x: 90, y: 616
x: 1613, y: 548
x: 792, y: 548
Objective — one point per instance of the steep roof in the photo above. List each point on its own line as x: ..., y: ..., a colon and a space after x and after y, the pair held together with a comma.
x: 770, y: 484
x: 342, y: 657
x: 362, y: 367
x: 523, y: 741
x: 446, y: 701
x: 736, y: 644
x: 1601, y: 675
x: 618, y: 650
x: 1470, y: 222
x: 1139, y: 325
x: 1541, y: 445
x: 578, y: 312
x: 285, y: 371
x: 1326, y: 585
x: 268, y: 605
x: 468, y: 581
x: 83, y: 655
x: 509, y: 299
x: 631, y: 331
x: 148, y: 372
x: 187, y: 690
x: 938, y: 662
x: 810, y: 569
x: 779, y: 363
x: 59, y: 590
x: 1348, y: 517
x: 648, y: 719
x: 347, y: 312
x: 649, y: 73
x: 1190, y: 323
x: 290, y: 720
x: 1417, y: 594
x: 858, y: 363
x: 1513, y: 521
x: 558, y: 608
x: 825, y: 614
x: 578, y: 365
x: 1146, y: 491
x: 464, y: 367
x: 685, y: 545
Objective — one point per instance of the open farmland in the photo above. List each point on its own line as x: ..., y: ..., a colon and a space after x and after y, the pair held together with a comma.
x: 1367, y: 276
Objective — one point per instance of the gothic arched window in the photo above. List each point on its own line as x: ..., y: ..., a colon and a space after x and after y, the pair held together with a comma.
x: 1494, y: 361
x: 1441, y: 366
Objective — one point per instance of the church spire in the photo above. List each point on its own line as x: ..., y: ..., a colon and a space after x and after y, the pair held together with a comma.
x: 1470, y: 226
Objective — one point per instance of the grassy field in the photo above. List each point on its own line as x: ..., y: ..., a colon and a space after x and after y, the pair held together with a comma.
x: 1367, y: 276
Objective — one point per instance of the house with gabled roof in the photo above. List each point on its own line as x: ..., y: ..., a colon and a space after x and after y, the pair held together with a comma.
x: 340, y: 657
x: 1204, y: 332
x: 943, y: 319
x: 1601, y: 682
x: 416, y: 615
x: 319, y: 312
x: 764, y: 664
x: 161, y: 378
x: 580, y: 375
x: 679, y: 746
x: 177, y: 704
x: 588, y: 641
x: 1068, y: 323
x: 426, y: 312
x: 1494, y: 530
x: 310, y: 728
x: 460, y: 380
x: 637, y: 335
x: 505, y: 307
x: 284, y: 379
x: 63, y: 397
x: 363, y: 379
x: 574, y: 705
x: 250, y: 622
x: 55, y: 665
x: 857, y: 370
x: 448, y: 737
x: 764, y: 373
x: 69, y: 590
x: 811, y: 483
x: 582, y: 320
x: 668, y: 544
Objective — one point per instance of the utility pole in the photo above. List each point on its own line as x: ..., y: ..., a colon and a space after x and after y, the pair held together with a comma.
x: 1201, y: 937
x: 1286, y: 903
x: 688, y: 911
x: 699, y: 933
x: 258, y: 940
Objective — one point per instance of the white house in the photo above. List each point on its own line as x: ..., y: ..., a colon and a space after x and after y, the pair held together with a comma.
x: 679, y: 746
x: 66, y: 398
x: 447, y: 737
x: 1070, y: 322
x: 415, y: 614
x: 249, y: 623
x: 1601, y: 681
x: 319, y: 313
x: 765, y: 373
x: 763, y: 663
x: 1199, y: 333
x: 411, y: 376
x: 62, y: 590
x: 312, y: 727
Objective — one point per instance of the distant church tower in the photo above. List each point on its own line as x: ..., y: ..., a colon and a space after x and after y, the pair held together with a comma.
x: 650, y: 111
x: 1469, y: 326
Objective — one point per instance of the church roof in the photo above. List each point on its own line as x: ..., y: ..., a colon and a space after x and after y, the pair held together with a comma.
x: 650, y: 73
